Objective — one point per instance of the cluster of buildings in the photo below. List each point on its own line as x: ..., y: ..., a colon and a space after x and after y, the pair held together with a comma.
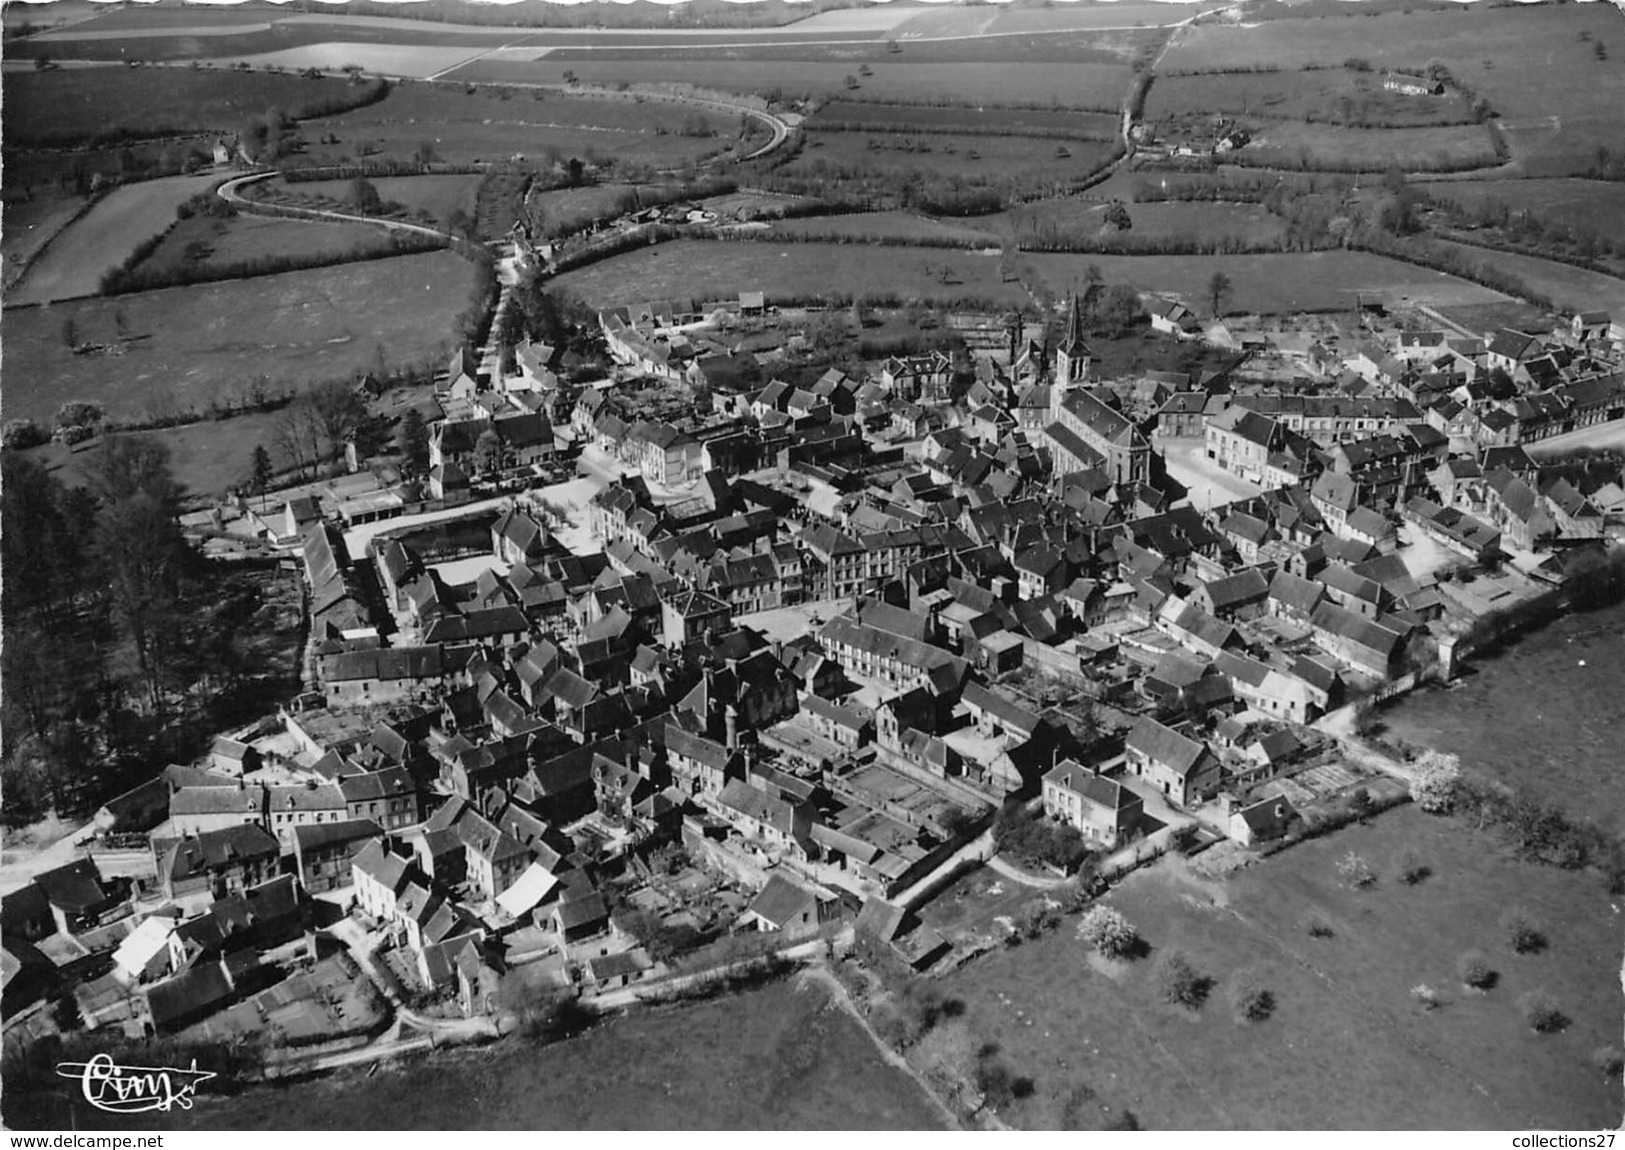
x: 815, y: 635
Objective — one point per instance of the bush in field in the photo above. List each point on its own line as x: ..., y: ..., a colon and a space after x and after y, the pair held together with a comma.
x: 1036, y: 916
x: 1609, y: 1060
x: 21, y: 434
x: 1434, y: 787
x: 1250, y: 1000
x: 1355, y: 871
x: 1524, y: 934
x: 1178, y: 981
x: 1319, y: 928
x: 1426, y: 995
x: 79, y: 413
x: 1411, y: 868
x: 1108, y: 932
x: 1541, y: 1012
x: 1475, y: 970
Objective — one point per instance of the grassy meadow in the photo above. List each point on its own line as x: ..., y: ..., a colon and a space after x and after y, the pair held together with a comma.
x: 1271, y: 283
x: 209, y: 242
x: 705, y: 270
x: 1346, y: 1047
x: 180, y: 348
x: 1537, y: 65
x: 437, y: 195
x: 53, y: 107
x: 1061, y: 85
x: 780, y: 1057
x: 1339, y: 95
x: 462, y: 125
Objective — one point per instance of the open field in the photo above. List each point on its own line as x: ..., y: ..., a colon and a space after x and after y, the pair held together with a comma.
x: 989, y: 157
x: 1556, y: 99
x: 1273, y: 283
x: 186, y: 346
x: 104, y: 237
x: 903, y: 225
x: 704, y: 270
x: 1595, y: 206
x: 28, y: 225
x: 954, y: 21
x: 1569, y: 287
x: 81, y: 103
x: 208, y: 242
x: 439, y: 196
x: 1094, y: 86
x: 1330, y: 94
x: 965, y: 118
x: 207, y: 457
x: 1346, y: 1046
x: 1551, y: 679
x: 494, y: 124
x: 1199, y: 220
x: 1287, y: 144
x: 1103, y: 47
x: 777, y: 1058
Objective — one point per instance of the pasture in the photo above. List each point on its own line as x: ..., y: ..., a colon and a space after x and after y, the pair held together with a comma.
x: 462, y: 124
x: 781, y: 1057
x: 1280, y: 143
x: 104, y: 237
x: 208, y: 242
x: 1575, y: 289
x: 1269, y: 284
x: 999, y: 21
x: 208, y: 458
x: 76, y: 104
x: 1043, y: 219
x: 1114, y: 47
x: 1594, y: 206
x: 976, y: 119
x: 437, y: 196
x: 709, y: 270
x: 177, y: 349
x: 1097, y: 87
x: 28, y: 225
x: 1536, y: 64
x: 1346, y: 1046
x: 974, y: 158
x: 890, y: 225
x: 1337, y: 95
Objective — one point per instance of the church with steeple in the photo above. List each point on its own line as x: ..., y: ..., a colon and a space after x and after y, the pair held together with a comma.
x: 1084, y: 428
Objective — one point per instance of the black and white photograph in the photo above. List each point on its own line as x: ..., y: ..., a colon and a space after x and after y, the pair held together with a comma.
x: 812, y: 565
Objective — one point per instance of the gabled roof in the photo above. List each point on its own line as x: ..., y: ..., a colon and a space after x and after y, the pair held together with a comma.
x: 1165, y: 746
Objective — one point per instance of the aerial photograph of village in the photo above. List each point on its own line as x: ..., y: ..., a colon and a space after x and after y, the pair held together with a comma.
x: 1035, y: 566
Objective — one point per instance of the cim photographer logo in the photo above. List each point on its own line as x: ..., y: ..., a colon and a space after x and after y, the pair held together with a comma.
x: 134, y: 1089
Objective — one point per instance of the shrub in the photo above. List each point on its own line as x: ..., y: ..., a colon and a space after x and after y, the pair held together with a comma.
x: 1036, y: 916
x: 1524, y: 934
x: 1178, y: 981
x: 1609, y: 1060
x: 1475, y: 970
x: 21, y: 434
x: 79, y: 413
x: 1355, y: 871
x: 1105, y: 929
x: 1437, y: 777
x: 1250, y: 1000
x: 1411, y: 868
x: 1426, y: 995
x: 1320, y: 928
x: 1541, y: 1012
